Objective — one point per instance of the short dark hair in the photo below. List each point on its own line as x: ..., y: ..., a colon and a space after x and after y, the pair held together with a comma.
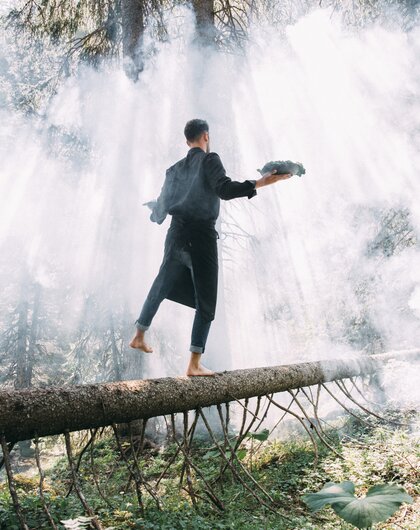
x: 195, y: 128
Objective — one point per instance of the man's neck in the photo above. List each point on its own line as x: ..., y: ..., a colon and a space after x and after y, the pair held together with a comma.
x: 196, y: 146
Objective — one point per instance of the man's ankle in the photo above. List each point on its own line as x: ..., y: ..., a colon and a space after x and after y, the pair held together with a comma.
x: 195, y: 359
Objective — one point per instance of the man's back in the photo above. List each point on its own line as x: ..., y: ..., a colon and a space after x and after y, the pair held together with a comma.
x: 194, y: 186
x: 190, y: 194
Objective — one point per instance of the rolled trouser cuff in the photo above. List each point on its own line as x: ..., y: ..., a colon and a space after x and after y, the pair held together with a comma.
x: 143, y: 327
x: 197, y: 349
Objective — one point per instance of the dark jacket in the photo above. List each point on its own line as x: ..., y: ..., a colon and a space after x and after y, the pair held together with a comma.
x: 194, y: 186
x: 191, y: 193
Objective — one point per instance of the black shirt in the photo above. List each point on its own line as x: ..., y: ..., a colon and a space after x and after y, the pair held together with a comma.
x: 194, y: 186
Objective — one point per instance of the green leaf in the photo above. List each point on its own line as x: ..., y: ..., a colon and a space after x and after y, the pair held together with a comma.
x: 330, y: 494
x: 262, y: 436
x: 241, y: 453
x: 380, y: 503
x: 210, y: 454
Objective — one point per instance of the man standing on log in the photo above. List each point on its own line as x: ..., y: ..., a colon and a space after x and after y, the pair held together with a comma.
x: 188, y: 274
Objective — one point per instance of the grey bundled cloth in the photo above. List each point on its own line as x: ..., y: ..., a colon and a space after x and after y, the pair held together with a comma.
x: 283, y: 166
x: 191, y: 193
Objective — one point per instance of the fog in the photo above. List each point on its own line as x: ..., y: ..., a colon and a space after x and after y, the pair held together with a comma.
x: 305, y: 272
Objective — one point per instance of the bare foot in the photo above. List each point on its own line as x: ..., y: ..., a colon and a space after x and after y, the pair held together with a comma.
x: 199, y: 370
x: 138, y: 342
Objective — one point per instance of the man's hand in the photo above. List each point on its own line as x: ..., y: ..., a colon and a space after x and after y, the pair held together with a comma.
x: 150, y: 204
x: 270, y: 178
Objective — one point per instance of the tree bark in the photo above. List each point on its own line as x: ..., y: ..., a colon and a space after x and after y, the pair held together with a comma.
x: 204, y: 17
x: 132, y: 14
x: 52, y: 410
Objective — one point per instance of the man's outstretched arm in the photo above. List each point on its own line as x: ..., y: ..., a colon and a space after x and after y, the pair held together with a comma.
x: 226, y: 188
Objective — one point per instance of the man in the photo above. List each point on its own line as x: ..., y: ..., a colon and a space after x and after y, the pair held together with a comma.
x: 188, y: 274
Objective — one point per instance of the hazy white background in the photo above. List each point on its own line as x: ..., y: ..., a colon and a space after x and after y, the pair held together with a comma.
x: 292, y: 258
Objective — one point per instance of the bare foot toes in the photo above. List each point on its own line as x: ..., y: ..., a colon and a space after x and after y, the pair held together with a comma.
x: 200, y: 370
x: 140, y: 345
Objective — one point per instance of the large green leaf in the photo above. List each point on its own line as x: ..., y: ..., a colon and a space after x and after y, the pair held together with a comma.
x: 331, y: 493
x: 381, y: 502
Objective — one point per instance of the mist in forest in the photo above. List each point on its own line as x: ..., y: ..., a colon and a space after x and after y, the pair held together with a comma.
x: 323, y: 266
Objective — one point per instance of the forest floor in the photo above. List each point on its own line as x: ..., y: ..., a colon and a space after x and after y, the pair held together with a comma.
x: 370, y: 455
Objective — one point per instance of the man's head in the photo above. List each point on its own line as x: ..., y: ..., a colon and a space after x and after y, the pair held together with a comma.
x: 197, y: 134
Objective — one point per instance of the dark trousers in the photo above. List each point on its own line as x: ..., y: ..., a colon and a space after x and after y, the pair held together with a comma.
x: 177, y: 257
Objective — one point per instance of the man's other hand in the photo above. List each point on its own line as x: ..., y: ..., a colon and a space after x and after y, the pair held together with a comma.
x: 150, y: 204
x: 270, y: 178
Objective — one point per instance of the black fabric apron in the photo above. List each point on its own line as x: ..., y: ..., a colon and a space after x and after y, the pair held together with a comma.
x: 193, y: 241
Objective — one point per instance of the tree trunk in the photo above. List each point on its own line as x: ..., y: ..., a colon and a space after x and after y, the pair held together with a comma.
x: 116, y: 354
x: 204, y: 16
x: 52, y: 410
x: 22, y: 343
x: 132, y: 14
x: 33, y: 336
x: 26, y: 338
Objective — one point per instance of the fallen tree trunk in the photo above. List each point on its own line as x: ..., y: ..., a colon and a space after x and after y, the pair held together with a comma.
x: 54, y: 410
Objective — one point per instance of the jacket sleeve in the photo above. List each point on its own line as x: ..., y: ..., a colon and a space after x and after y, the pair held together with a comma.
x: 159, y: 207
x: 225, y: 187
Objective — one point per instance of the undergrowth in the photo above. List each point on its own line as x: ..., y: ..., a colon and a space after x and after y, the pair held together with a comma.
x: 285, y: 469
